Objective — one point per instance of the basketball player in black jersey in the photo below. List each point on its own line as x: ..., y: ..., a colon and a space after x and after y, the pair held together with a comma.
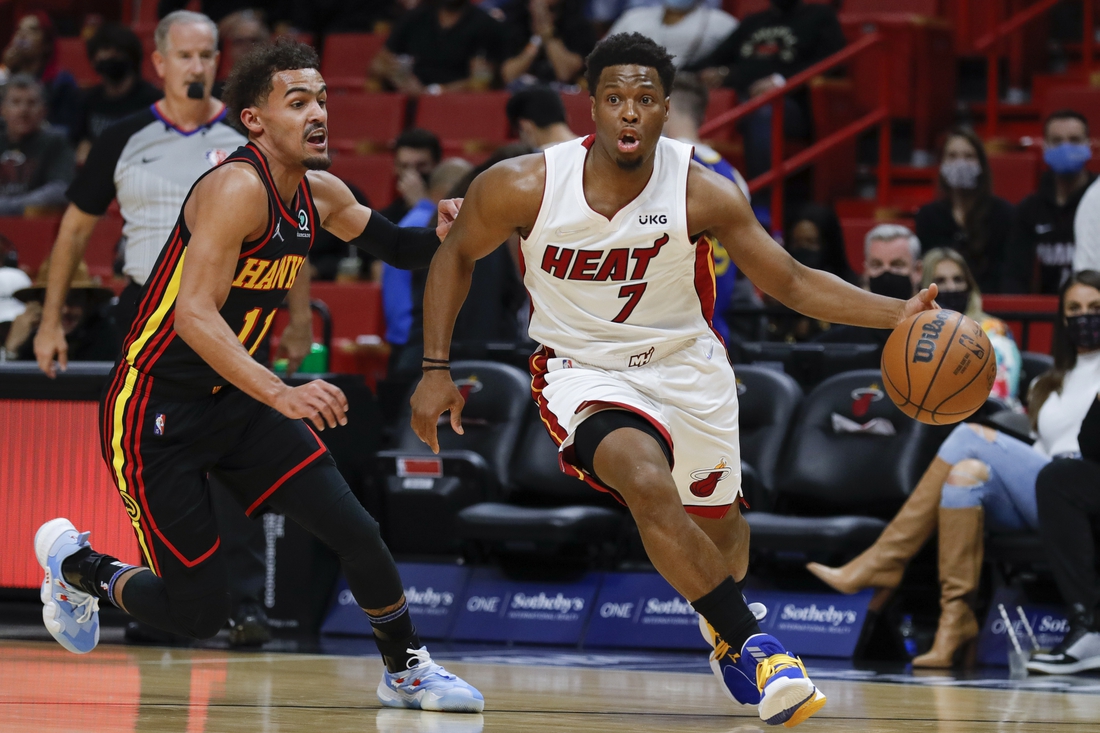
x: 186, y: 398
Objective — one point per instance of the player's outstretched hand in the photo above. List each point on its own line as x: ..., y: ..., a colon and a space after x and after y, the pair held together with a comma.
x: 50, y: 344
x: 925, y: 300
x: 435, y: 394
x: 322, y: 403
x: 448, y: 210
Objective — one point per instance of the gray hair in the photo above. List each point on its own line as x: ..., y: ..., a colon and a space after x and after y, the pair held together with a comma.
x: 160, y: 35
x: 888, y: 233
x: 26, y: 81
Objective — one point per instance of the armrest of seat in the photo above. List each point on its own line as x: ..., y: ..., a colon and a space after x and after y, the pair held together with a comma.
x: 464, y: 465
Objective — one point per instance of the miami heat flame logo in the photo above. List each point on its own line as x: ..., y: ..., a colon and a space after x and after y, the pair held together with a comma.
x: 468, y: 386
x: 863, y: 397
x: 705, y: 481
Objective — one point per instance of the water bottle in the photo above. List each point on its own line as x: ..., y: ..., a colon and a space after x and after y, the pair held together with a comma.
x: 908, y: 635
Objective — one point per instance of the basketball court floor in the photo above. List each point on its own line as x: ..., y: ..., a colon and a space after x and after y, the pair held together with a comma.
x: 119, y: 688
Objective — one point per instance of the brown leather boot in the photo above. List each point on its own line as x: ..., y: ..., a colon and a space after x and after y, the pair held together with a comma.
x: 962, y: 545
x: 882, y: 564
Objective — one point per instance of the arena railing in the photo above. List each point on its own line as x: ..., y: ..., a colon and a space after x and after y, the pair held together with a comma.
x: 782, y: 169
x: 991, y: 44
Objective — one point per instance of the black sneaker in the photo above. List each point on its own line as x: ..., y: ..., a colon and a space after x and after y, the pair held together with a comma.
x: 249, y: 626
x: 1080, y: 651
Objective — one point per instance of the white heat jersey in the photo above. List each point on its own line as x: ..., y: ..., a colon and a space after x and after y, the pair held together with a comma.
x: 617, y: 293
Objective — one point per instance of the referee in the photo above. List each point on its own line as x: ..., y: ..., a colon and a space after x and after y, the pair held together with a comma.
x: 149, y: 161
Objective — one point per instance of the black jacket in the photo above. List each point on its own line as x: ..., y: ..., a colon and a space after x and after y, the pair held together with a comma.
x: 936, y: 227
x: 1039, y: 254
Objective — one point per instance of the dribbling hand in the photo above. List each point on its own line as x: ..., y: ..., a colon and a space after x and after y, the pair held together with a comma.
x: 448, y: 210
x: 320, y: 402
x: 925, y: 300
x: 435, y: 394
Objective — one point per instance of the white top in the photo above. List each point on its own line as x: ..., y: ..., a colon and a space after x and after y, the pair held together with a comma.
x: 696, y: 35
x: 629, y: 290
x: 11, y: 280
x: 1086, y: 230
x: 1061, y: 415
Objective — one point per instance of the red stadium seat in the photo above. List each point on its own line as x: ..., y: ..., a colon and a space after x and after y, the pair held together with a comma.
x: 33, y: 238
x: 855, y: 230
x: 721, y: 100
x: 372, y: 174
x: 911, y: 7
x: 1015, y: 175
x: 73, y: 57
x: 1083, y: 99
x: 100, y: 254
x: 477, y: 118
x: 347, y: 57
x: 833, y: 106
x: 366, y: 123
x: 578, y: 111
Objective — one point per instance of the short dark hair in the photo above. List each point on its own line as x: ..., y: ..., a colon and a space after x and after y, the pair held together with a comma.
x: 629, y: 48
x: 420, y: 139
x: 695, y: 94
x: 1065, y: 114
x: 539, y: 104
x: 251, y: 81
x: 117, y: 37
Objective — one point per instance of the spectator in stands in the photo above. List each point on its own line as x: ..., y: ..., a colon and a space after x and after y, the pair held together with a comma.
x: 443, y: 45
x: 11, y: 280
x: 1069, y: 513
x: 115, y: 52
x: 546, y: 41
x: 36, y: 161
x: 538, y: 117
x: 687, y: 28
x: 960, y: 291
x: 90, y: 334
x: 892, y: 267
x: 603, y: 13
x: 33, y: 50
x: 416, y: 153
x: 982, y: 477
x: 397, y: 285
x: 814, y: 238
x: 239, y: 33
x: 687, y: 109
x: 1040, y: 251
x: 967, y: 216
x: 766, y: 49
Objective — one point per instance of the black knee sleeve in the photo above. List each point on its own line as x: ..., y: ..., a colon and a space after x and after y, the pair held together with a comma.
x: 320, y: 501
x: 146, y: 598
x: 593, y: 430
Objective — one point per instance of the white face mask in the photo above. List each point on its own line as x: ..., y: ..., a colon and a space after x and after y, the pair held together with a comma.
x: 961, y: 173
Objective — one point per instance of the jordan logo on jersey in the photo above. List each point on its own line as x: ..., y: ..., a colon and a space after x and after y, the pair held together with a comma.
x: 257, y: 274
x: 600, y: 265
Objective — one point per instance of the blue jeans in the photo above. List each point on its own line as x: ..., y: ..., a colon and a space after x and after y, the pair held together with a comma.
x: 1008, y: 495
x: 757, y: 131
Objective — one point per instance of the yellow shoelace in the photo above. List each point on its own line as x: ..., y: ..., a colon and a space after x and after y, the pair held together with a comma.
x: 776, y: 663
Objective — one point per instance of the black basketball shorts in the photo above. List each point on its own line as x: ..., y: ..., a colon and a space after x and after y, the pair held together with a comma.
x: 160, y: 449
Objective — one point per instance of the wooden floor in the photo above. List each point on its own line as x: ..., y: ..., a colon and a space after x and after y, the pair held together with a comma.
x: 43, y: 689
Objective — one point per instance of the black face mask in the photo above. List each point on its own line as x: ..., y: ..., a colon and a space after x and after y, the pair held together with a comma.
x: 809, y: 257
x: 892, y: 286
x: 113, y: 68
x: 1084, y: 331
x: 954, y: 301
x: 785, y: 5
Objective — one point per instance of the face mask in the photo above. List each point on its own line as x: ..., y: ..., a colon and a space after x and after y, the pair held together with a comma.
x: 1084, y: 331
x: 961, y: 173
x: 954, y: 301
x: 785, y: 5
x: 809, y: 257
x: 679, y: 4
x: 113, y: 68
x: 892, y: 285
x: 1067, y: 158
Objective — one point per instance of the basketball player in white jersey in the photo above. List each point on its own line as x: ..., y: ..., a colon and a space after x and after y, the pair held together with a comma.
x: 631, y: 381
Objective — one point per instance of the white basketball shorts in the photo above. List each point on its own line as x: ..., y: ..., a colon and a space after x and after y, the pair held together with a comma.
x: 690, y: 397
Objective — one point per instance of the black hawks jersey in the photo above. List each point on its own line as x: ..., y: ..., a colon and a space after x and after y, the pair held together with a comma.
x: 266, y: 269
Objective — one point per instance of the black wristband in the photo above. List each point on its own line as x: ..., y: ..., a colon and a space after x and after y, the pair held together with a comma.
x: 435, y: 361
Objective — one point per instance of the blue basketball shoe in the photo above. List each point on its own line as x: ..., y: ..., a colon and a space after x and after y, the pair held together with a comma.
x: 70, y: 614
x: 787, y: 696
x: 739, y: 687
x: 427, y: 686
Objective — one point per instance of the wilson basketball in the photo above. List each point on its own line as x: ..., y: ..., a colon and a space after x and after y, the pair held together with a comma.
x: 938, y: 367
